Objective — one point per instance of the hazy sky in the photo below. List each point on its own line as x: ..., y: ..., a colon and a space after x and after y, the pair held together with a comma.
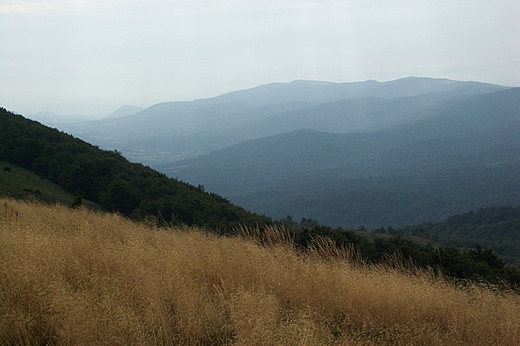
x: 64, y: 55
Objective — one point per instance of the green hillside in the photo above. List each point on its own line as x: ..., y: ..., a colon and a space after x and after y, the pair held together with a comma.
x: 497, y: 228
x: 108, y: 179
x: 21, y: 183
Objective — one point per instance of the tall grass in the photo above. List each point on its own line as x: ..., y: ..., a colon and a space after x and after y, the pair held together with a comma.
x: 82, y: 278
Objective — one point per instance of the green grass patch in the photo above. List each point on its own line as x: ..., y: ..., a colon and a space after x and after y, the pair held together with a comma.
x: 20, y: 183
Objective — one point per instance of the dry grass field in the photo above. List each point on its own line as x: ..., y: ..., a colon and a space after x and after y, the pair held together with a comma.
x: 75, y: 277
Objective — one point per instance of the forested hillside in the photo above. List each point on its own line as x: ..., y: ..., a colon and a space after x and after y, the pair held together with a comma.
x: 107, y: 178
x: 496, y: 228
x: 21, y: 183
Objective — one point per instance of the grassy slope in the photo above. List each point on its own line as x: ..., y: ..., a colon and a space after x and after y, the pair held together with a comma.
x: 80, y: 278
x: 21, y: 183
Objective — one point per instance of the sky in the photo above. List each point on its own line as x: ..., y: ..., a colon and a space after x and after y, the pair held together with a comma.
x: 92, y: 56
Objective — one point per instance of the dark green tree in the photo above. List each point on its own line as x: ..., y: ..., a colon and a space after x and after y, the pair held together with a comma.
x: 78, y: 202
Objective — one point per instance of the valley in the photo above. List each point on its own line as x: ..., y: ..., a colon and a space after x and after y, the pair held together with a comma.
x: 416, y: 149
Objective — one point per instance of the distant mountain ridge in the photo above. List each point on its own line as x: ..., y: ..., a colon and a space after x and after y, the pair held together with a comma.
x: 52, y: 119
x: 325, y: 92
x: 124, y: 111
x: 463, y: 155
x: 188, y: 129
x: 414, y: 149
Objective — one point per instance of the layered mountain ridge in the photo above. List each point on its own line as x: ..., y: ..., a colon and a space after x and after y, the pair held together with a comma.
x: 462, y: 155
x: 191, y: 128
x: 347, y: 154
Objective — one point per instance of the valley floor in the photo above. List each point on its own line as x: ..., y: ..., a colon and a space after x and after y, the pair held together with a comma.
x: 76, y: 277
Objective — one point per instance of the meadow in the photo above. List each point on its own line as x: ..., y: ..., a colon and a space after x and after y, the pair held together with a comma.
x: 78, y: 277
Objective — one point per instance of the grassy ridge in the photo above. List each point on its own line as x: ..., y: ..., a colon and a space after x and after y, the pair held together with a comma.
x: 76, y: 277
x: 22, y: 183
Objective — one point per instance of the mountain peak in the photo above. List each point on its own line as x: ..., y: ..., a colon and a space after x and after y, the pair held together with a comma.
x: 124, y: 111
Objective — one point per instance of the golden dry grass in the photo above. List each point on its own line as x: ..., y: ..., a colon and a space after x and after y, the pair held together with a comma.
x: 83, y: 278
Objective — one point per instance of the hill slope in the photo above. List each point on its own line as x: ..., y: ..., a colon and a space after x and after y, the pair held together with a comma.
x: 76, y: 277
x: 124, y: 111
x: 110, y: 180
x: 496, y: 228
x: 464, y: 155
x: 20, y: 183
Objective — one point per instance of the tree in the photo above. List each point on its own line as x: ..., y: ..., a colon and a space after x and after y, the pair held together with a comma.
x: 121, y: 196
x: 78, y: 202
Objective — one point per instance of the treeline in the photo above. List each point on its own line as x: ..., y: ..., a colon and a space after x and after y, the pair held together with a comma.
x: 107, y: 178
x: 495, y: 227
x: 475, y: 264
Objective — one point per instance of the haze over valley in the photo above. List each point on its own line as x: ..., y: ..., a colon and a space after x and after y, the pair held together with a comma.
x: 188, y: 129
x: 259, y: 172
x: 327, y: 91
x: 345, y: 154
